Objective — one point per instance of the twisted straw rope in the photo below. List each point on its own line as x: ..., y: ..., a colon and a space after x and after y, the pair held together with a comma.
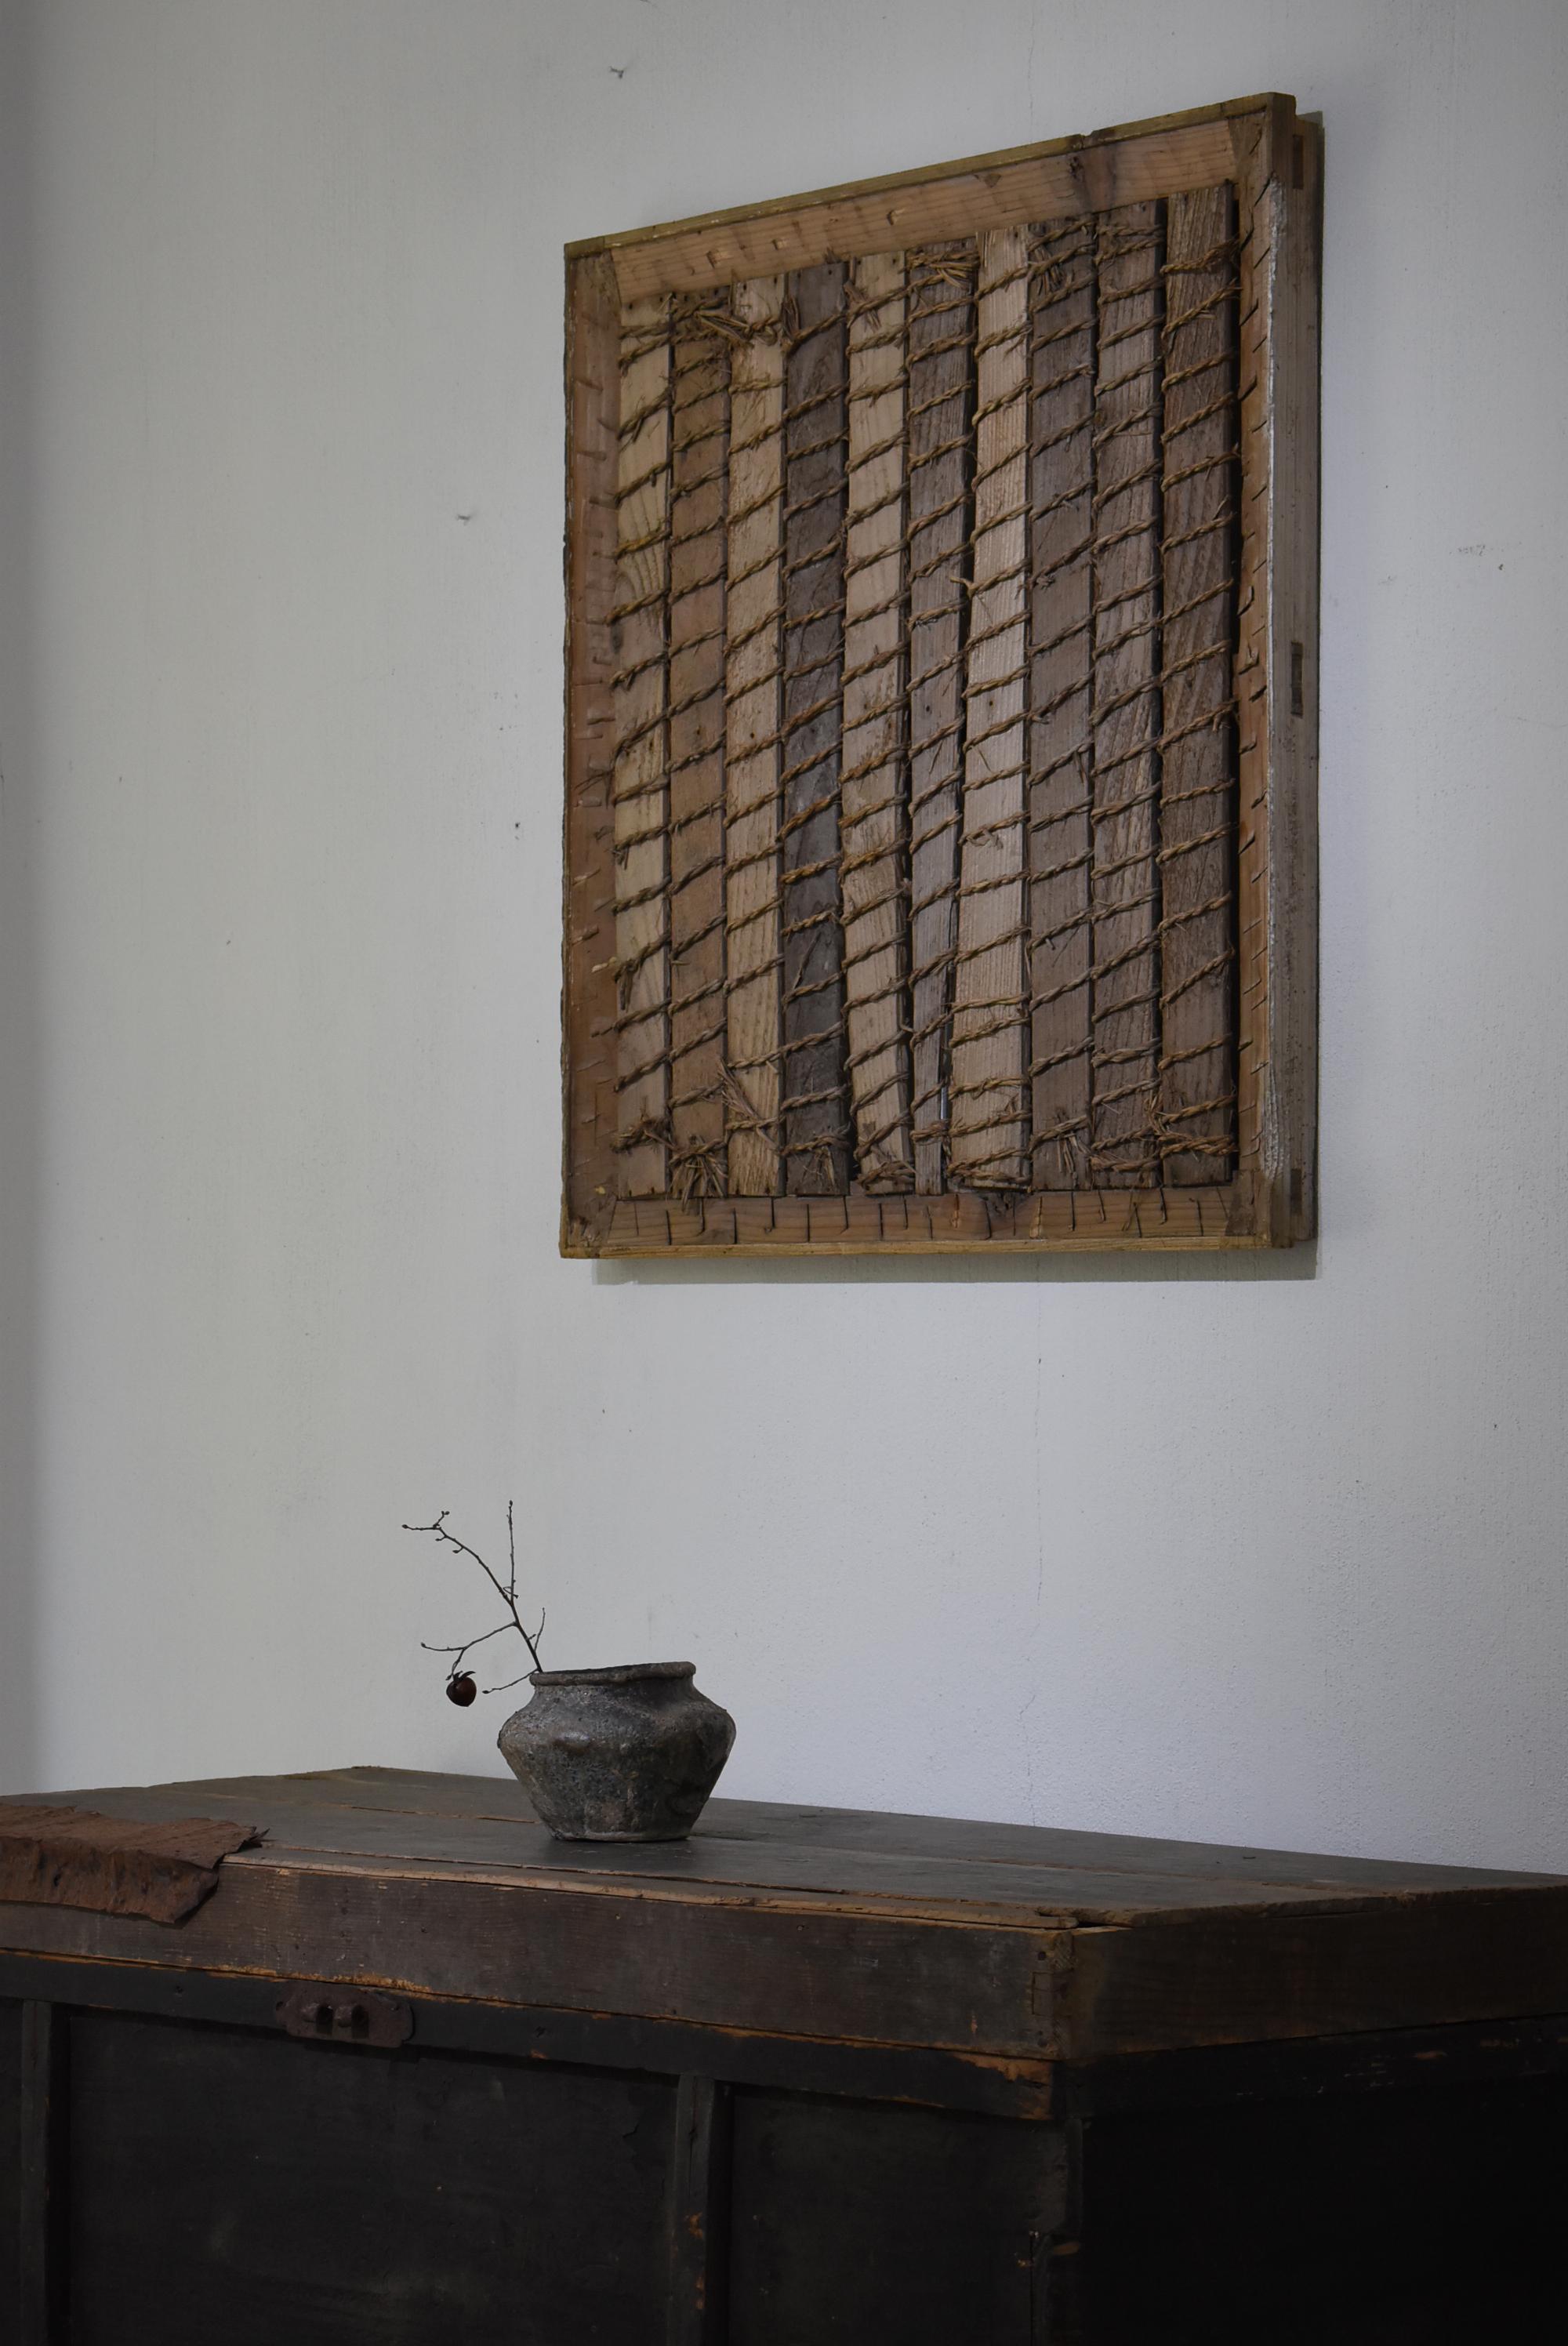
x: 942, y: 286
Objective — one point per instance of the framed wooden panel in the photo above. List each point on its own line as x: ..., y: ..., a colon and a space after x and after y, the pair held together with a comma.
x: 942, y: 574
x: 231, y: 2183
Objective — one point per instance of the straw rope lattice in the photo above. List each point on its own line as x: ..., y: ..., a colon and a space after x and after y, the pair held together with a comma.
x: 926, y: 721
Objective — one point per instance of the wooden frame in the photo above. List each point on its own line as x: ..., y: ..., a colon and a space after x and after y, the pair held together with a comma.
x: 669, y: 794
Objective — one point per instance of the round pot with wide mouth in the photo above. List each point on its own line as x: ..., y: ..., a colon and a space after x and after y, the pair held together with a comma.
x: 624, y: 1754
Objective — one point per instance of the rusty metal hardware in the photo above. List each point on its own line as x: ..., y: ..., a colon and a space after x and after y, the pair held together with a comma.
x: 326, y: 2014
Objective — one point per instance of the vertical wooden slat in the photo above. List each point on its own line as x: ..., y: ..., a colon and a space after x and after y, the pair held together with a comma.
x: 1276, y: 692
x: 1290, y: 1157
x: 699, y: 425
x: 1061, y: 2306
x: 815, y: 1106
x: 40, y: 2215
x: 988, y: 1146
x: 1061, y: 652
x: 1126, y: 617
x: 1198, y: 924
x: 593, y: 390
x: 699, y: 2214
x: 642, y: 778
x: 873, y: 785
x: 940, y: 400
x: 1260, y: 225
x: 752, y: 661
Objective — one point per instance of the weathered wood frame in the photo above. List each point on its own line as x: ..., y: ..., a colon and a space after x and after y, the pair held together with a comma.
x: 1273, y: 157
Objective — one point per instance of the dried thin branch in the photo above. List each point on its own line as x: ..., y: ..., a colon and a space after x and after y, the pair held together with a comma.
x: 507, y: 1592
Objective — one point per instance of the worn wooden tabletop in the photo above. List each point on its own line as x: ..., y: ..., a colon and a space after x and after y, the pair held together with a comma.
x: 1013, y: 1941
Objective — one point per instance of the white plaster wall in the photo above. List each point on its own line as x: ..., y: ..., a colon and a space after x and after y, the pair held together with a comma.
x: 1265, y: 1552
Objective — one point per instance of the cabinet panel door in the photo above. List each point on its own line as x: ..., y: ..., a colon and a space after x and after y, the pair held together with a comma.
x: 10, y: 2160
x: 225, y: 2185
x: 1420, y: 2217
x: 869, y: 2222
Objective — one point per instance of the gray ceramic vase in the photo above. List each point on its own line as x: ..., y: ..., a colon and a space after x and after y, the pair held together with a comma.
x: 627, y: 1754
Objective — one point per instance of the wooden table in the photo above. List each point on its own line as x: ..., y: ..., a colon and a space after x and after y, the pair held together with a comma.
x: 417, y: 2073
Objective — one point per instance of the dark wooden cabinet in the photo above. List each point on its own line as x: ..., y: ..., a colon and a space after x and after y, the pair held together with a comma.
x: 223, y: 2184
x: 417, y: 2074
x: 10, y: 2160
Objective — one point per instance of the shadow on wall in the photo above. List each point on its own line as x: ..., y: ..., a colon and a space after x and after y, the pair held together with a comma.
x: 20, y: 1067
x: 884, y: 1271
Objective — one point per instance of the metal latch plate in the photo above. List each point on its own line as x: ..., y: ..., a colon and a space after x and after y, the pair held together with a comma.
x: 328, y: 2014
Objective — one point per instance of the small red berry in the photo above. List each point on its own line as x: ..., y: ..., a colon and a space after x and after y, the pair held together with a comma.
x: 461, y: 1689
